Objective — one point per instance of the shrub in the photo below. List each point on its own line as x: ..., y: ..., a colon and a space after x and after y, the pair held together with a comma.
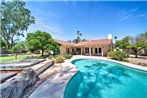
x: 118, y: 55
x: 59, y: 59
x: 67, y: 56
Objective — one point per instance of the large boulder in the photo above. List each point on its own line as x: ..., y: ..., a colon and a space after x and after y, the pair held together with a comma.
x: 14, y: 88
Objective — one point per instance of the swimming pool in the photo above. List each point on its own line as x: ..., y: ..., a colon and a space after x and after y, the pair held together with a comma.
x: 106, y: 79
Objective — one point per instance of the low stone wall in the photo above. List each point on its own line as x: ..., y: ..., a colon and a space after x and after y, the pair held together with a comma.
x: 14, y: 88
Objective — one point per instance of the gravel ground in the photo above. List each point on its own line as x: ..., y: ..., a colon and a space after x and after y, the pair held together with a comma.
x: 138, y: 61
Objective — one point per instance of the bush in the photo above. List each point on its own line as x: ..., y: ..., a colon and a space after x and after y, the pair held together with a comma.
x: 118, y: 55
x: 67, y: 56
x: 59, y: 59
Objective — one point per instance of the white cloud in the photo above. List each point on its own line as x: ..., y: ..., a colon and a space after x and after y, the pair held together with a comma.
x: 45, y: 20
x: 125, y: 14
x: 52, y: 28
x: 124, y: 18
x: 141, y: 15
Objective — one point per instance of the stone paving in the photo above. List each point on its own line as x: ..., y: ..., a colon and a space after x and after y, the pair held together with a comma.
x: 55, y: 85
x: 44, y: 76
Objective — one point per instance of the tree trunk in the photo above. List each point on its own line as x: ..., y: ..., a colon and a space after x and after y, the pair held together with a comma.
x: 16, y: 55
x: 8, y: 44
x: 135, y: 53
x: 11, y: 45
x: 42, y: 52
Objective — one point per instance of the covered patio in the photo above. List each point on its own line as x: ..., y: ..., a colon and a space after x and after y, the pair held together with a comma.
x: 91, y: 48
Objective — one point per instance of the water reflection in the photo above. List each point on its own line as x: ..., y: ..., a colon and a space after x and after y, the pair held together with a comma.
x: 95, y: 77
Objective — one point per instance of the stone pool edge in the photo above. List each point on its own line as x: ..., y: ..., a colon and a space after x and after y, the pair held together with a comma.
x: 105, y: 58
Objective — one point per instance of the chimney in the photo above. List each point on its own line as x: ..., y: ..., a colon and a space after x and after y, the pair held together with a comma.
x: 109, y: 36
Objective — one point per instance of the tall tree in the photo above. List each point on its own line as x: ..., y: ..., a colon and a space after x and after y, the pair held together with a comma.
x: 15, y: 19
x: 78, y: 36
x: 115, y: 37
x: 20, y: 46
x: 138, y: 43
x: 123, y: 43
x: 41, y: 41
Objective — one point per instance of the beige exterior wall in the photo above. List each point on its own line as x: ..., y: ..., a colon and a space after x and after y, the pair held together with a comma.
x: 104, y: 49
x: 62, y: 49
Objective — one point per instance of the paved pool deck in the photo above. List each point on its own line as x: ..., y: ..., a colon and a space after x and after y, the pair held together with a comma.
x: 55, y: 85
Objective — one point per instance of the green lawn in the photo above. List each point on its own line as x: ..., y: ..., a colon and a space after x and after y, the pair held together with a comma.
x: 11, y: 58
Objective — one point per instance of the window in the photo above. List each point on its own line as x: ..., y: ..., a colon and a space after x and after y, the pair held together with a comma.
x: 78, y: 50
x: 91, y: 50
x: 100, y: 50
x: 72, y: 49
x: 67, y: 50
x: 96, y: 51
x: 86, y: 50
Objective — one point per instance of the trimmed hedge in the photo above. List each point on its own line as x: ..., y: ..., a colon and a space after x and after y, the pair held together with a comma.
x: 118, y: 55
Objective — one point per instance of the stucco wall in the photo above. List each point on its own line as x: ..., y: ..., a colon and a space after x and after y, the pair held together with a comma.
x: 106, y: 49
x: 62, y: 49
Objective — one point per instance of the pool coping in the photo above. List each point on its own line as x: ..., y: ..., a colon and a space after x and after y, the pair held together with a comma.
x: 105, y: 58
x: 54, y: 92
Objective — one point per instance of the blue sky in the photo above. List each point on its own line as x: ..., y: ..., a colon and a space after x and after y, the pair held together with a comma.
x: 94, y: 19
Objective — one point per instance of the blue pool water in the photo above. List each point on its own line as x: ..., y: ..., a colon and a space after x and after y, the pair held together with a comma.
x: 105, y: 79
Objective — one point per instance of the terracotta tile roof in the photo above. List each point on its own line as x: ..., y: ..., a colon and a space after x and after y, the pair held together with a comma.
x: 86, y: 43
x: 95, y: 42
x: 65, y: 43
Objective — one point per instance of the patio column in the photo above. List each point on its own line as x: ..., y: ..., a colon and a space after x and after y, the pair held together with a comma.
x: 102, y: 51
x: 81, y: 50
x: 84, y: 50
x: 90, y: 51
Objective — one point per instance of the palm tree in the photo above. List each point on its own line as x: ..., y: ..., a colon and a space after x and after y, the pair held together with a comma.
x: 115, y: 37
x: 78, y: 36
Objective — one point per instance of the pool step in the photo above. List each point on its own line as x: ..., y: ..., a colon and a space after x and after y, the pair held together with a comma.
x: 41, y: 69
x: 6, y: 75
x: 20, y: 64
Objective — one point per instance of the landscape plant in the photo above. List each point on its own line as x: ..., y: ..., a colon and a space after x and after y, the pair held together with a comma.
x: 67, y: 56
x: 59, y: 59
x: 118, y: 55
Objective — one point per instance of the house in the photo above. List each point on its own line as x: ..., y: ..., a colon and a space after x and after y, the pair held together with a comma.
x: 91, y: 47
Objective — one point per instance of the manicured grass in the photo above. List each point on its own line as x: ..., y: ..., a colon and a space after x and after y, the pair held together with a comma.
x: 11, y: 58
